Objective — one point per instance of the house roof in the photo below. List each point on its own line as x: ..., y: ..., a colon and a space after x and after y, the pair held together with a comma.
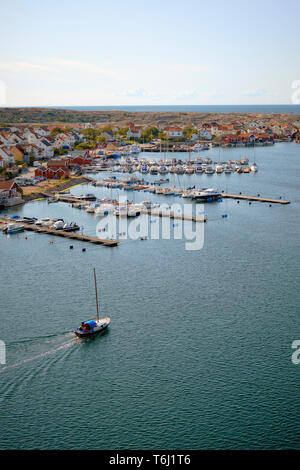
x: 6, y: 185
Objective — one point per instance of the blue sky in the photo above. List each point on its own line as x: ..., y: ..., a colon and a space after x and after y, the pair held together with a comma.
x: 95, y: 52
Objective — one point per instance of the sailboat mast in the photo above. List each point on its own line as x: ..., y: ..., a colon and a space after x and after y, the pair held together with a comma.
x: 96, y: 294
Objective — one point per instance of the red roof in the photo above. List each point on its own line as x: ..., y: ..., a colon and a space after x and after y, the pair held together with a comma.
x: 6, y: 185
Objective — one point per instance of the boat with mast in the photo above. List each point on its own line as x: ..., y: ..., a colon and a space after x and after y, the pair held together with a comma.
x: 93, y: 326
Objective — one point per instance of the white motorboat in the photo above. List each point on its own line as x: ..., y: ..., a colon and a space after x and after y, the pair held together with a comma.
x: 209, y: 170
x: 58, y: 225
x: 208, y: 195
x: 219, y: 169
x: 13, y: 228
x: 45, y: 222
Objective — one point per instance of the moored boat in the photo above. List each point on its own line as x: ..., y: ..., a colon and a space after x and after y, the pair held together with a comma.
x: 210, y: 194
x: 13, y: 228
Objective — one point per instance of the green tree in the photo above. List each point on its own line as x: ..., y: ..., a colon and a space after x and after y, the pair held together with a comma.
x: 149, y: 133
x: 162, y: 135
x: 188, y: 131
x: 55, y: 131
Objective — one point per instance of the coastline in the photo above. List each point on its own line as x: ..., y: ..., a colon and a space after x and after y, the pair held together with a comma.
x: 66, y: 116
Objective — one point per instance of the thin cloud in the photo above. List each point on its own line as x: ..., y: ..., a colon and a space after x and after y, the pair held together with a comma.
x: 15, y: 66
x: 57, y: 65
x: 189, y: 68
x: 255, y: 93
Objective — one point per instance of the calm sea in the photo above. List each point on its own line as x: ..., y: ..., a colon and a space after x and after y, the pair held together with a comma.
x: 199, y: 350
x: 257, y: 108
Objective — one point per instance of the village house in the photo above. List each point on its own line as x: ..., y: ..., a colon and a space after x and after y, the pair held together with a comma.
x: 65, y: 140
x: 18, y: 152
x: 55, y: 169
x: 173, y: 132
x: 7, y: 157
x: 10, y: 193
x: 205, y: 134
x: 134, y: 132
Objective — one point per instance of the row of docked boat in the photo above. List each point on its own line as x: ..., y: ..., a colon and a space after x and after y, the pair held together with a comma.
x: 161, y: 169
x: 108, y: 206
x: 55, y: 224
x: 134, y: 184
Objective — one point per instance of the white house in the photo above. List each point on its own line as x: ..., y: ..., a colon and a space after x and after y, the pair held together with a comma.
x: 173, y: 132
x: 134, y: 131
x: 205, y: 134
x: 6, y: 155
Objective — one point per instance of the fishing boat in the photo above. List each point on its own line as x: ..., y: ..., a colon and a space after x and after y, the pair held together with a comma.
x: 92, y: 326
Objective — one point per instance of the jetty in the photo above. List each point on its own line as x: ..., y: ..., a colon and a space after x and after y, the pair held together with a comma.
x: 60, y: 233
x: 173, y: 215
x: 255, y: 198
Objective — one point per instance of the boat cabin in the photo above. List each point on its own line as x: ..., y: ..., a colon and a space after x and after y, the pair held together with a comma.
x: 87, y: 325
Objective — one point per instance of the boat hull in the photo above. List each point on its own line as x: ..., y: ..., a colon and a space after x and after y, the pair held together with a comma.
x: 94, y: 332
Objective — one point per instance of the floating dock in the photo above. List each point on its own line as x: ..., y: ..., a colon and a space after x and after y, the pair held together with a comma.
x: 61, y: 233
x: 173, y: 215
x: 255, y: 198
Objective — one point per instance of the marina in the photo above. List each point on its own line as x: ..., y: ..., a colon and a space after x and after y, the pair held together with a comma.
x: 149, y: 232
x: 210, y: 293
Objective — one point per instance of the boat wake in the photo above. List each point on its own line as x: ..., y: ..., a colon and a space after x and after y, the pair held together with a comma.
x: 37, y: 348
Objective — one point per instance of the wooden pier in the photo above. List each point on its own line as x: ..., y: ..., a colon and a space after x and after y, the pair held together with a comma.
x: 173, y: 215
x: 255, y: 198
x: 61, y: 233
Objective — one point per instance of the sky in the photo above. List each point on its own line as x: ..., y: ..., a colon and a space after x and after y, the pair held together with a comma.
x: 129, y: 52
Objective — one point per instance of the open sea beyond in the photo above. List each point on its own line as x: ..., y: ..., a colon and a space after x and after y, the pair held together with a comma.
x: 221, y: 108
x: 198, y: 355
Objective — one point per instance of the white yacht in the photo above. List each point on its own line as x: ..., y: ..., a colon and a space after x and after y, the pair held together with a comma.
x: 254, y: 167
x: 210, y: 194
